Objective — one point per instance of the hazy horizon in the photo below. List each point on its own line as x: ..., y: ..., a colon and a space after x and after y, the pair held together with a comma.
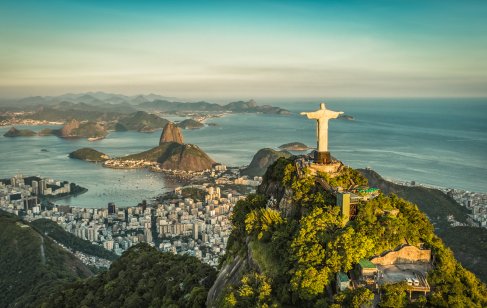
x: 259, y: 100
x: 266, y: 49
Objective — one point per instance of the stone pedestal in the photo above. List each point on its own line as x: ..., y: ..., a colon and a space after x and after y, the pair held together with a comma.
x: 322, y: 157
x: 332, y: 169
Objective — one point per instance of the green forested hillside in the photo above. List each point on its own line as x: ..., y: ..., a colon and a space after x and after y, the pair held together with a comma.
x: 296, y: 244
x: 88, y: 154
x: 469, y: 244
x: 140, y: 121
x: 32, y: 265
x: 56, y: 232
x: 141, y: 277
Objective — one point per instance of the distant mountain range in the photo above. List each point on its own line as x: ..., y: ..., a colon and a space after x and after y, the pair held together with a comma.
x: 100, y: 106
x: 92, y: 98
x: 110, y: 102
x: 238, y: 107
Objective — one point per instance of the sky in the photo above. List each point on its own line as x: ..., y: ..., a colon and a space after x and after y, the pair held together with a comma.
x: 245, y: 49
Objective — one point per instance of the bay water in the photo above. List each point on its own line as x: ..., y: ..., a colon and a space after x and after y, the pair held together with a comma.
x: 439, y: 142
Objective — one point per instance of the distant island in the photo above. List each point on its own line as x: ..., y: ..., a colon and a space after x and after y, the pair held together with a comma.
x: 77, y: 129
x: 13, y: 132
x: 346, y: 117
x: 72, y: 129
x: 190, y: 124
x: 89, y: 154
x: 170, y: 154
x: 294, y: 146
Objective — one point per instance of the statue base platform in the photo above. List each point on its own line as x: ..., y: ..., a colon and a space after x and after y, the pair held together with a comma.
x: 332, y: 169
x: 323, y: 158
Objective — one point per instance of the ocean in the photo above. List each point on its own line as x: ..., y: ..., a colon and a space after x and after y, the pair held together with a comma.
x: 438, y: 142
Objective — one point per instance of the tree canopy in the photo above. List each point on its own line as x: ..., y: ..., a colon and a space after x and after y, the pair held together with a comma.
x: 313, y: 243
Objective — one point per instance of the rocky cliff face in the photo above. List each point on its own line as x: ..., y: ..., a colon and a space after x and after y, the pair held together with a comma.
x: 187, y: 157
x: 75, y: 129
x: 176, y: 156
x: 171, y: 133
x: 262, y: 160
x: 68, y: 128
x: 231, y: 274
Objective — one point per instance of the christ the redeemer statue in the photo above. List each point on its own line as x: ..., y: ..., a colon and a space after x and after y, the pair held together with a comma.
x: 322, y: 116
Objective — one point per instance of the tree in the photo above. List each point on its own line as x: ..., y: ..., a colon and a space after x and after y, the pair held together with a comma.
x: 254, y: 291
x: 361, y: 297
x: 262, y: 221
x: 393, y: 295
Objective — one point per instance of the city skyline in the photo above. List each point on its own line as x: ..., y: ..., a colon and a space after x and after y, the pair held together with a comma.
x: 254, y: 49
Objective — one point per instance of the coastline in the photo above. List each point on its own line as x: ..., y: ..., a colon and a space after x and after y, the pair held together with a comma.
x: 65, y: 196
x: 33, y: 123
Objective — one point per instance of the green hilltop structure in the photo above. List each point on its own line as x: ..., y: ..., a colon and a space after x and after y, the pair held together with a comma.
x: 370, y: 247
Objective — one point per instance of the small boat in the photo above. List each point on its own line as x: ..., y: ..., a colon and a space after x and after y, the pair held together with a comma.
x: 95, y: 138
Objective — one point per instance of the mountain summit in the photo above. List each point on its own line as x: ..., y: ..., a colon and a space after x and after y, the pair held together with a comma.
x: 171, y: 133
x: 313, y: 238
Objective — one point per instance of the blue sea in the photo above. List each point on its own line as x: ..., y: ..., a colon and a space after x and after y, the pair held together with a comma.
x: 439, y: 142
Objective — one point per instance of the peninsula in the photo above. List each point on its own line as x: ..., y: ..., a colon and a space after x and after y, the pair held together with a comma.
x: 171, y: 154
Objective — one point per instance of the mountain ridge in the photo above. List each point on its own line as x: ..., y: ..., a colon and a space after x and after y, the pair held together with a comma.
x: 296, y: 216
x: 32, y: 264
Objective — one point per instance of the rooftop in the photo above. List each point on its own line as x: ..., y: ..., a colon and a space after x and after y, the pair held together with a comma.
x: 364, y: 263
x: 343, y: 277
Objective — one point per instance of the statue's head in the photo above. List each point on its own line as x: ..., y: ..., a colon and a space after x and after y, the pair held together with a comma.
x: 322, y: 106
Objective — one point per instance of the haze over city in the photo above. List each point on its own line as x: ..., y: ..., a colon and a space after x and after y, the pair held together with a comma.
x: 219, y: 49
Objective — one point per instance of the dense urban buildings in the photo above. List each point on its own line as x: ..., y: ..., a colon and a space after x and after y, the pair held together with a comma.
x: 191, y: 220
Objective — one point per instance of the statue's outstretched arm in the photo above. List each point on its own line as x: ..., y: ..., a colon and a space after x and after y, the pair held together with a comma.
x: 311, y: 115
x: 335, y: 114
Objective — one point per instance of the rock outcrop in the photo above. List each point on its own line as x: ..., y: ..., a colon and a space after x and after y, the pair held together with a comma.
x: 262, y: 160
x: 186, y: 157
x: 68, y: 129
x: 75, y: 129
x: 176, y: 156
x: 171, y: 133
